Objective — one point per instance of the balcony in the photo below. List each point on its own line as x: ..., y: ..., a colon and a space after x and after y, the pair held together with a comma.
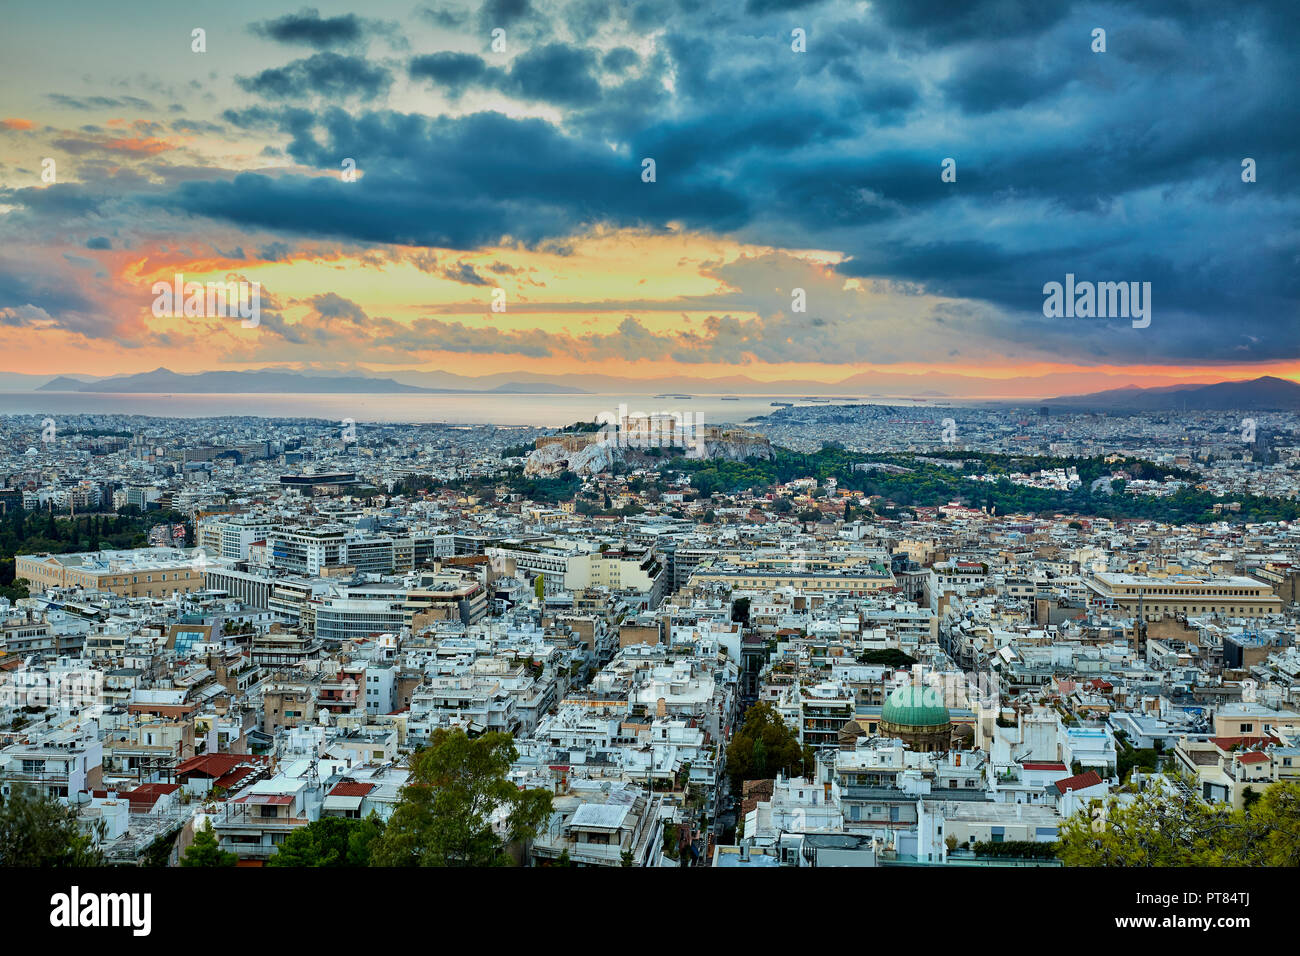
x: 240, y: 817
x: 596, y: 853
x: 251, y: 851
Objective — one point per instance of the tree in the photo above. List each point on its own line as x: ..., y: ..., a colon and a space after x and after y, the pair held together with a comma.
x: 1272, y: 835
x: 740, y: 610
x: 158, y: 853
x: 205, y: 851
x: 37, y: 830
x: 762, y: 746
x: 1174, y: 827
x: 539, y: 587
x: 330, y: 841
x: 888, y: 656
x: 458, y: 788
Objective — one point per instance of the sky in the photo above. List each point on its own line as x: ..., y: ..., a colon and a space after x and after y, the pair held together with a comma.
x: 797, y: 146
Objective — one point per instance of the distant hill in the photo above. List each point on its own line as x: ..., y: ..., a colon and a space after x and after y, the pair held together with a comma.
x: 1266, y: 393
x: 63, y: 384
x: 538, y: 388
x: 162, y: 380
x: 167, y: 381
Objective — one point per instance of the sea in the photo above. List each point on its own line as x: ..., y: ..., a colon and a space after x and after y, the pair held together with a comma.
x: 495, y: 408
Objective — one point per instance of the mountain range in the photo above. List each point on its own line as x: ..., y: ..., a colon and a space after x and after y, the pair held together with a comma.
x: 1266, y: 393
x: 162, y: 380
x: 1261, y: 394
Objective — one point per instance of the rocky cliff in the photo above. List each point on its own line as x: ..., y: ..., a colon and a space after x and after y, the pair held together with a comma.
x: 596, y: 457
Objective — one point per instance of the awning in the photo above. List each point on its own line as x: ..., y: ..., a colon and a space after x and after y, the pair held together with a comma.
x: 348, y: 804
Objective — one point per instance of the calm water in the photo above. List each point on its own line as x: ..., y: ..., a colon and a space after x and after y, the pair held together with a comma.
x: 497, y: 409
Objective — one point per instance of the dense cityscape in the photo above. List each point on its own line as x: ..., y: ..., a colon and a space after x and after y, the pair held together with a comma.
x: 838, y: 635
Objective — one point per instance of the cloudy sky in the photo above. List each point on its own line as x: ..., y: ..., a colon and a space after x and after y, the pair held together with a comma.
x: 522, y: 170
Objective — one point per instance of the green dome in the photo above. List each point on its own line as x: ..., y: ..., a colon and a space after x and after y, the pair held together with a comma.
x: 914, y: 706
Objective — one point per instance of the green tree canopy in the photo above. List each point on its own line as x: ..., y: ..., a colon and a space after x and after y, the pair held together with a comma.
x: 763, y: 746
x: 36, y: 830
x: 888, y: 657
x: 330, y: 841
x: 1175, y: 827
x: 457, y: 792
x: 740, y: 610
x: 205, y: 851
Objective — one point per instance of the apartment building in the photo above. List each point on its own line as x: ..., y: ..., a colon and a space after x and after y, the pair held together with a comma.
x: 1181, y: 595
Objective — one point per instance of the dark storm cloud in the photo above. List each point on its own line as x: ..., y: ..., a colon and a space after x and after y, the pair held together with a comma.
x: 454, y: 72
x: 21, y: 286
x: 456, y: 182
x: 308, y: 27
x: 941, y: 22
x: 554, y: 73
x: 502, y: 13
x: 331, y: 75
x: 771, y: 6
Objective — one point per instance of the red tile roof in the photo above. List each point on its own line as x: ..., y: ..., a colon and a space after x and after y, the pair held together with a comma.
x: 217, y: 765
x: 350, y: 789
x: 146, y: 795
x: 1253, y: 756
x: 1081, y: 782
x: 233, y: 779
x: 1044, y: 766
x: 1227, y: 743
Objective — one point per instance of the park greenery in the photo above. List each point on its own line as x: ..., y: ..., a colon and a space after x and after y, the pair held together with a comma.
x: 920, y: 480
x: 929, y: 484
x: 42, y: 532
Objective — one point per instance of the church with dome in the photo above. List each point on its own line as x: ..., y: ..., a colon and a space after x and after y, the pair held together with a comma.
x: 916, y: 715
